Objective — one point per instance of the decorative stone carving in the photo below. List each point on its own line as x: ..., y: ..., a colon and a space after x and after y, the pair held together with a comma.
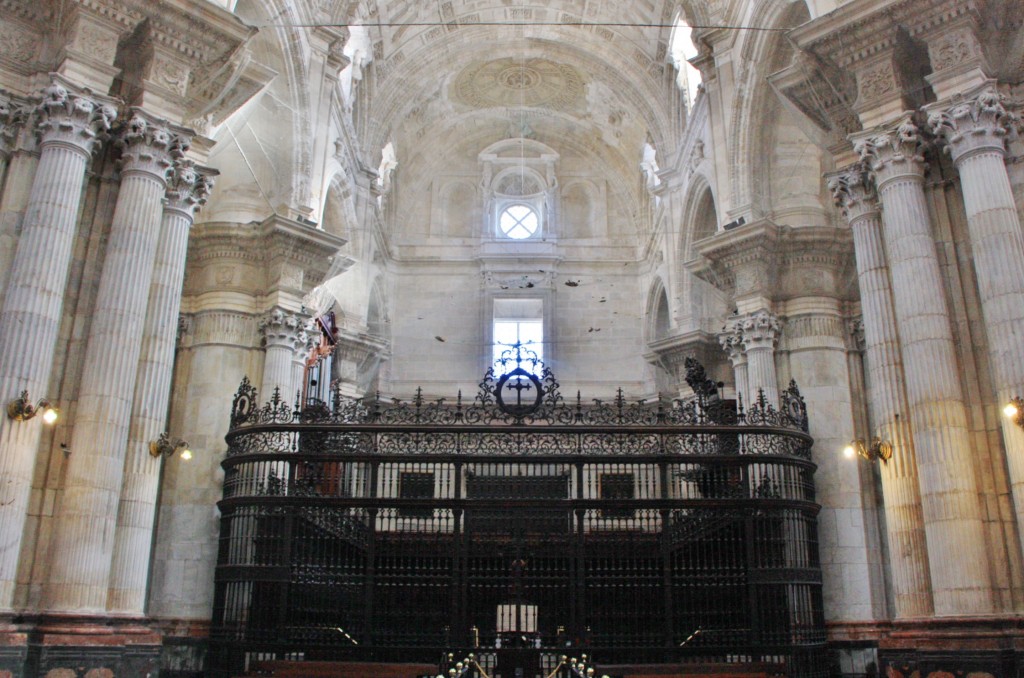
x: 188, y: 187
x: 760, y: 329
x: 12, y: 119
x: 854, y: 192
x: 980, y: 122
x: 731, y: 340
x: 953, y: 49
x: 893, y: 153
x: 855, y: 332
x: 514, y: 82
x: 145, y: 147
x: 72, y: 118
x: 282, y: 329
x: 876, y: 82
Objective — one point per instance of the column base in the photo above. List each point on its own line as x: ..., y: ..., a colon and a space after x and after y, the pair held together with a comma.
x: 99, y: 647
x: 987, y: 647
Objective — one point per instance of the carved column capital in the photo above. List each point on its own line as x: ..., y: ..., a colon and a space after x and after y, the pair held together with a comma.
x: 893, y: 153
x: 13, y: 116
x: 760, y: 329
x: 74, y: 120
x: 188, y: 187
x: 973, y: 124
x: 854, y: 192
x: 281, y: 329
x: 855, y: 334
x: 731, y: 340
x: 148, y: 146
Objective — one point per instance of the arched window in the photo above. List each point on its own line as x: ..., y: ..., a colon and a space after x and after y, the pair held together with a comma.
x: 519, y: 222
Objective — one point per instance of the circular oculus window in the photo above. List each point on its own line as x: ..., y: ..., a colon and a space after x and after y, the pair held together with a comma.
x: 518, y: 222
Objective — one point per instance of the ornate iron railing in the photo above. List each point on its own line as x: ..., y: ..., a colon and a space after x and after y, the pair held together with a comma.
x: 648, y: 532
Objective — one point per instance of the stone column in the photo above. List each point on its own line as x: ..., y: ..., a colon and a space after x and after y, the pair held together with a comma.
x: 187, y: 189
x: 975, y: 130
x: 949, y: 493
x: 760, y: 332
x: 731, y: 340
x: 69, y: 125
x: 855, y: 195
x: 282, y: 335
x: 83, y: 541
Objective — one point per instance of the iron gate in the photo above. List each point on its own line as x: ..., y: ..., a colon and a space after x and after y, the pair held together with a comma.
x: 642, y: 532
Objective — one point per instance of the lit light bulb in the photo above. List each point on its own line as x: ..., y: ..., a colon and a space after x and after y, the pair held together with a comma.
x: 849, y: 452
x: 50, y: 415
x: 186, y: 454
x: 1010, y: 411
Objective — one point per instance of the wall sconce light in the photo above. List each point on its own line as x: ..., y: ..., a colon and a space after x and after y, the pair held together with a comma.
x: 1014, y: 411
x: 22, y: 409
x: 878, y: 449
x: 166, y: 447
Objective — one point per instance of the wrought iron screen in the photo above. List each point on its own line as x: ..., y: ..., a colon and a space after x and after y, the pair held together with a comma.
x: 642, y: 532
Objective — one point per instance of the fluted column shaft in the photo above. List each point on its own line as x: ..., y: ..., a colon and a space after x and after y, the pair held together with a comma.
x: 760, y: 332
x: 949, y: 492
x: 908, y: 554
x: 83, y: 541
x: 30, y: 317
x: 976, y: 130
x: 137, y: 509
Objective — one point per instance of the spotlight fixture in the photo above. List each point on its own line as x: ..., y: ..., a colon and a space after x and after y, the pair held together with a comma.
x: 165, y: 446
x: 1014, y: 411
x: 22, y: 409
x: 878, y: 449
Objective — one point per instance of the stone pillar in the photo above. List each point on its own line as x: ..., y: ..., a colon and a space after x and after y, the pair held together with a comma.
x: 955, y: 533
x: 83, y: 541
x: 731, y: 340
x: 129, y: 572
x: 975, y: 130
x: 69, y: 125
x: 760, y: 332
x: 283, y: 333
x: 887, y: 400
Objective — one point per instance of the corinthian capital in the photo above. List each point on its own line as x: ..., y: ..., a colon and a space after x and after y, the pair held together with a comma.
x: 759, y: 330
x: 853, y: 192
x: 282, y: 329
x: 72, y: 119
x: 12, y: 119
x: 147, y: 146
x: 731, y: 340
x: 188, y: 187
x: 976, y: 123
x: 893, y: 152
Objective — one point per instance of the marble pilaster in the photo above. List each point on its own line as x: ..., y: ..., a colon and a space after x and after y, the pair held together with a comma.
x: 855, y: 195
x: 82, y: 546
x: 187, y: 189
x: 70, y: 124
x: 975, y: 130
x: 949, y: 491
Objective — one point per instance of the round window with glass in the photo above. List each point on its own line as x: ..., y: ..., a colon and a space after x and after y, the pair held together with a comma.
x: 518, y: 222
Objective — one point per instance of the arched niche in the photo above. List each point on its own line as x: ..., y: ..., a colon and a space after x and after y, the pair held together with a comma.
x: 658, y: 317
x: 698, y: 301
